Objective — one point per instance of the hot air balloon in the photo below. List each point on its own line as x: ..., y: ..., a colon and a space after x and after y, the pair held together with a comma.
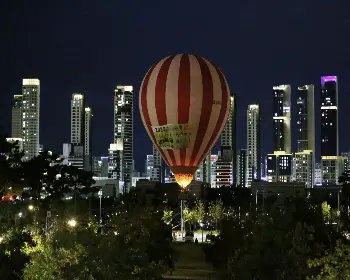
x: 184, y: 104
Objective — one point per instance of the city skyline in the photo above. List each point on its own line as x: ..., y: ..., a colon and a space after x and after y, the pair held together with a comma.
x: 90, y: 50
x: 293, y: 91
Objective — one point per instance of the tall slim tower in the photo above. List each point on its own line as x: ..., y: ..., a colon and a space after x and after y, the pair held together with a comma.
x: 77, y: 119
x: 279, y: 164
x: 228, y: 141
x: 329, y: 130
x: 123, y: 132
x: 31, y: 117
x: 17, y: 108
x: 253, y: 144
x: 87, y: 139
x: 281, y: 118
x: 329, y: 116
x: 305, y: 155
x: 305, y: 118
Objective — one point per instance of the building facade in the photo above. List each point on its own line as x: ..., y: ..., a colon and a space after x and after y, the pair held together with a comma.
x: 228, y: 140
x: 281, y: 118
x: 203, y: 173
x: 241, y: 178
x: 30, y: 117
x: 253, y: 171
x: 88, y: 164
x: 329, y: 130
x: 305, y: 132
x: 123, y: 134
x: 17, y: 112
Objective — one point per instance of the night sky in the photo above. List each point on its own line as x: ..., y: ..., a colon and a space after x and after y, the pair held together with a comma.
x: 92, y: 46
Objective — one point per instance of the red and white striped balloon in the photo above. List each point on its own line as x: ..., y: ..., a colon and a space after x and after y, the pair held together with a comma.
x: 184, y: 90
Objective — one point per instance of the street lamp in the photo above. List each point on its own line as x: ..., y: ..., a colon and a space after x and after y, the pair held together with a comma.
x: 100, y: 196
x: 72, y: 223
x: 31, y: 208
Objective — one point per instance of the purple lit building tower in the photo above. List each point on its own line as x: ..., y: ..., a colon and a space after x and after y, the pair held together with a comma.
x: 329, y: 130
x: 329, y: 116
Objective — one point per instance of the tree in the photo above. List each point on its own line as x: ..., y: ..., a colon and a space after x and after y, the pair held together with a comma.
x: 138, y: 247
x: 326, y: 211
x: 188, y: 217
x: 167, y: 216
x: 216, y: 211
x: 273, y: 246
x: 10, y: 167
x: 199, y: 211
x: 334, y: 264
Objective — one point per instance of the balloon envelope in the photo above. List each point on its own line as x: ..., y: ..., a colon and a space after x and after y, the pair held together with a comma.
x: 184, y: 104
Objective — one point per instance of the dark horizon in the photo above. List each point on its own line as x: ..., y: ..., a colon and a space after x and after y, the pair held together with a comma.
x: 90, y: 47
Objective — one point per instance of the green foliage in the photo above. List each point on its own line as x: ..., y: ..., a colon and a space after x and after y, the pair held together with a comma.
x: 326, y: 211
x: 216, y: 210
x: 334, y: 264
x: 137, y: 248
x: 199, y: 211
x: 272, y: 246
x: 167, y: 216
x: 188, y: 217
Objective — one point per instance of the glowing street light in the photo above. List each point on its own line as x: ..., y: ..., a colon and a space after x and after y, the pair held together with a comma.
x: 72, y: 222
x: 31, y: 208
x: 20, y: 214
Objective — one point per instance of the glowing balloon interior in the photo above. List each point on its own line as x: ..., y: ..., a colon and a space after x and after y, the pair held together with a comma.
x: 184, y: 105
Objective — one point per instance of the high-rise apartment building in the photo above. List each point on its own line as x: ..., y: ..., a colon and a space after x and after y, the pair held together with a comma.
x: 330, y: 161
x: 241, y: 178
x: 203, y: 173
x: 77, y: 135
x: 88, y: 164
x: 30, y: 117
x: 305, y: 118
x: 17, y: 123
x: 305, y: 132
x: 281, y: 118
x: 77, y: 119
x: 279, y: 164
x: 123, y: 132
x: 228, y: 141
x: 279, y: 167
x: 253, y: 171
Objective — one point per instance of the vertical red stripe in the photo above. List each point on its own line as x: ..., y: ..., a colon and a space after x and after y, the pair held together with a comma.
x: 144, y: 110
x: 225, y: 105
x: 207, y: 104
x: 184, y: 93
x: 160, y: 102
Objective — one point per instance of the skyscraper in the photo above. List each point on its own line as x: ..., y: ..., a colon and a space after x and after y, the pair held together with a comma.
x: 329, y: 130
x: 241, y: 168
x: 281, y: 118
x: 77, y: 135
x: 228, y: 141
x: 17, y: 108
x: 253, y: 144
x: 87, y: 139
x: 123, y: 132
x: 30, y: 117
x: 279, y: 164
x: 305, y: 155
x: 329, y: 116
x: 305, y: 118
x: 77, y: 119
